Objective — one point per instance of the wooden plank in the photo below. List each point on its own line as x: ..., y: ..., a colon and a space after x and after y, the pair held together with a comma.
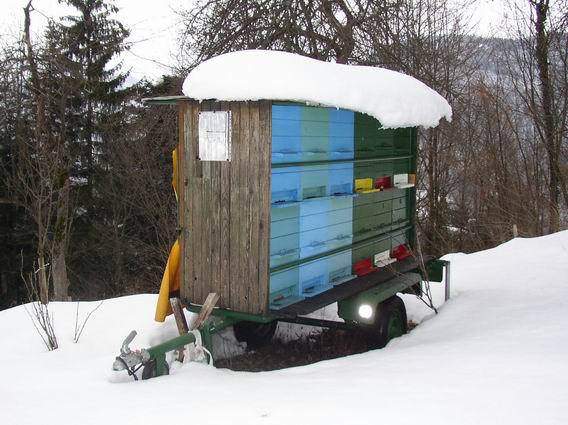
x: 264, y: 175
x: 206, y: 310
x: 182, y: 205
x: 234, y: 271
x: 187, y: 225
x: 205, y: 220
x: 244, y: 209
x: 225, y: 230
x: 254, y: 206
x: 196, y: 228
x: 214, y: 223
x: 184, y: 185
x: 181, y: 323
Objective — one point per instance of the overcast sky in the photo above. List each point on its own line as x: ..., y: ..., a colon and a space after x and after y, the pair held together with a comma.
x: 154, y: 27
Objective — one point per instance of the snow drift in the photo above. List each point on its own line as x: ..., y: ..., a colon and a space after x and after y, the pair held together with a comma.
x: 496, y: 354
x: 395, y: 99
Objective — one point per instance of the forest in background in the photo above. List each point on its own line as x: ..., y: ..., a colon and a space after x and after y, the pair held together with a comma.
x: 86, y: 206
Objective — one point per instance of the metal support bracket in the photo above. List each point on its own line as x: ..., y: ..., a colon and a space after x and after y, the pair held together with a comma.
x: 447, y: 280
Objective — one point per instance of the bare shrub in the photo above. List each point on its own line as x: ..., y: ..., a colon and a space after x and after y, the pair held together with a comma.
x: 79, y: 328
x: 38, y: 311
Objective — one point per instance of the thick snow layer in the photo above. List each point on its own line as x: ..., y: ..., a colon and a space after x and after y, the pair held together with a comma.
x: 395, y: 99
x: 495, y: 354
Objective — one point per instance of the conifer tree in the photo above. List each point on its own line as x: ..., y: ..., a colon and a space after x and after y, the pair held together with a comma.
x: 92, y: 42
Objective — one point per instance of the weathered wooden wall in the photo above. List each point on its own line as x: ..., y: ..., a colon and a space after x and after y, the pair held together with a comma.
x: 224, y: 209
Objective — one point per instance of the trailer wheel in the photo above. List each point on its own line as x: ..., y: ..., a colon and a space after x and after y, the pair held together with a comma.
x: 150, y: 369
x: 253, y: 333
x: 390, y: 322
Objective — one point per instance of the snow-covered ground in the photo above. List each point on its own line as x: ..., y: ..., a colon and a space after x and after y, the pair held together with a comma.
x: 496, y: 354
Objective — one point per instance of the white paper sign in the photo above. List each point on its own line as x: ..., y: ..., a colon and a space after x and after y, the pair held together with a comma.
x: 215, y: 136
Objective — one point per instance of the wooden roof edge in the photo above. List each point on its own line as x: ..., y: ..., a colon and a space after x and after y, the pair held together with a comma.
x: 172, y: 100
x: 164, y: 100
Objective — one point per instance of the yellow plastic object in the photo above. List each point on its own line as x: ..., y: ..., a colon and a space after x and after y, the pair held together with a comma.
x: 175, y: 177
x: 363, y: 185
x: 171, y: 277
x: 170, y: 283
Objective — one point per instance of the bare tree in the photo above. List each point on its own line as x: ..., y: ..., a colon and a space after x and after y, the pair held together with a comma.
x: 538, y: 68
x: 141, y: 197
x: 506, y: 177
x: 429, y: 40
x: 322, y: 29
x: 40, y: 177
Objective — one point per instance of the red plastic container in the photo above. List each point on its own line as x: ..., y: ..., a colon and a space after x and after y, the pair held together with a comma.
x: 400, y: 252
x: 364, y: 267
x: 383, y: 182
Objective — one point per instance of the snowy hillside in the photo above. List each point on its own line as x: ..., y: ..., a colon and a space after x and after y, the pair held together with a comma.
x: 496, y: 354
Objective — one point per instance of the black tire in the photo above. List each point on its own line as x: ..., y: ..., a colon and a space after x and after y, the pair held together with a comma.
x: 254, y: 334
x: 390, y: 322
x: 150, y: 369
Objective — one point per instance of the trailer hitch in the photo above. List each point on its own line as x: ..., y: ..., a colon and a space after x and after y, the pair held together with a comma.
x: 130, y: 360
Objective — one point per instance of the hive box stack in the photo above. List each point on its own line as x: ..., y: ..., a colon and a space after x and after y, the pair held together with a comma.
x: 334, y: 212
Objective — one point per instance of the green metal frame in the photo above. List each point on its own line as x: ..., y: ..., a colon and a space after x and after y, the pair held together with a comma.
x: 348, y: 308
x: 158, y: 352
x: 221, y: 319
x: 209, y: 327
x: 435, y: 270
x: 233, y: 315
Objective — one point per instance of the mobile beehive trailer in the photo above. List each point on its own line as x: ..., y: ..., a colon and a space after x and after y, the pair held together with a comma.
x: 287, y: 206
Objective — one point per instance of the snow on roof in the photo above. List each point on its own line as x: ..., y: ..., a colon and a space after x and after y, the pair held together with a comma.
x: 395, y: 99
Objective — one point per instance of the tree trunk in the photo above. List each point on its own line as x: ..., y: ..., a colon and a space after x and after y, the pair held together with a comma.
x: 546, y: 92
x: 59, y: 265
x: 59, y: 276
x: 42, y: 278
